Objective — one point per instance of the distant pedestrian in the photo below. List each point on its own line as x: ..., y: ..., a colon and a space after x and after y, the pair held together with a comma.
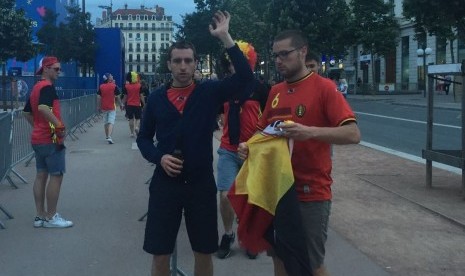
x: 107, y: 97
x: 313, y: 62
x: 180, y: 116
x: 447, y: 83
x: 42, y: 111
x: 133, y: 100
x: 343, y: 87
x: 198, y: 76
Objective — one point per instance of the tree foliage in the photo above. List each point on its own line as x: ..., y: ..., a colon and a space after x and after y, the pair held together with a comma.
x: 15, y: 33
x: 444, y: 19
x: 325, y: 22
x: 195, y: 25
x: 72, y: 40
x: 376, y: 28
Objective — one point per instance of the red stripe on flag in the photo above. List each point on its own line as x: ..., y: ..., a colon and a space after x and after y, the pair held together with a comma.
x: 253, y: 222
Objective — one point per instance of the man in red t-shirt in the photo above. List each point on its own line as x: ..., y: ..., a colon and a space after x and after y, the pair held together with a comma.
x: 108, y: 93
x: 132, y: 100
x: 239, y: 124
x: 321, y: 117
x: 42, y: 111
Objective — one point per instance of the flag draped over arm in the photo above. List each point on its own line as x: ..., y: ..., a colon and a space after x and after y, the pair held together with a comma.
x: 263, y: 179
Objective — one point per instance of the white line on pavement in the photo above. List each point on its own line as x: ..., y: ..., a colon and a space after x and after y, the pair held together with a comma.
x: 411, y: 157
x: 406, y: 120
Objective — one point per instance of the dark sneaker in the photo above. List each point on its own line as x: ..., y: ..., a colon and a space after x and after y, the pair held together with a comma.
x: 251, y: 255
x: 225, y: 246
x: 38, y: 222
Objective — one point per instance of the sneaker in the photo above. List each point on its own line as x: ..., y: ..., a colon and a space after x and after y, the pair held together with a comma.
x: 57, y: 222
x: 38, y: 222
x: 109, y: 140
x: 225, y: 246
x: 251, y: 255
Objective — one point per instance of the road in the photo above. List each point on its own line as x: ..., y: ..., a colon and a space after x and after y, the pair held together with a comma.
x: 403, y: 128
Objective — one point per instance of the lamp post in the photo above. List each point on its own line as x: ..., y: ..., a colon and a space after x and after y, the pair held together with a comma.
x: 423, y: 53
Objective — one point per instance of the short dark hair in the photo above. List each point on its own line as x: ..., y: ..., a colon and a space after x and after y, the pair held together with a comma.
x: 182, y: 45
x: 297, y: 38
x: 311, y: 55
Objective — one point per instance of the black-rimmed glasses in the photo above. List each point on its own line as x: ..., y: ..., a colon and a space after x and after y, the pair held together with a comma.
x: 283, y: 54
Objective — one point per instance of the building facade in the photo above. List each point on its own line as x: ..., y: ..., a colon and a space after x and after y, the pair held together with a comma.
x: 403, y: 70
x: 146, y: 31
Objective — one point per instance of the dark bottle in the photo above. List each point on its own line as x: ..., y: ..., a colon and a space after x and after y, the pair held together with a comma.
x: 178, y: 154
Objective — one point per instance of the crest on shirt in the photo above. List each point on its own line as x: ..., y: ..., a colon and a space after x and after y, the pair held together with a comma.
x: 300, y: 110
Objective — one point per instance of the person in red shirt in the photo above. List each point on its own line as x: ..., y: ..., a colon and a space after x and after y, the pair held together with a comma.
x: 321, y: 117
x: 132, y: 100
x: 239, y: 124
x: 108, y: 93
x: 42, y: 111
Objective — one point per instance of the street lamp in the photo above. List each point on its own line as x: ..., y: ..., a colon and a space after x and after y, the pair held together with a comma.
x: 424, y: 53
x: 109, y: 11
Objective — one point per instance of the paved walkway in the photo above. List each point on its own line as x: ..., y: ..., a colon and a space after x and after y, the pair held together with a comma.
x: 384, y: 221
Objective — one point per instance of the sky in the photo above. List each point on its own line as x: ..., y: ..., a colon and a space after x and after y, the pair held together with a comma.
x: 175, y: 8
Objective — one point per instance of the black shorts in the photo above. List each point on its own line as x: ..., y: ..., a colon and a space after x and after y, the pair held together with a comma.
x: 133, y: 112
x: 169, y: 199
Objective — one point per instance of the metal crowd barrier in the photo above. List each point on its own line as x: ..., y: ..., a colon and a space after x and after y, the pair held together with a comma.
x: 5, y: 152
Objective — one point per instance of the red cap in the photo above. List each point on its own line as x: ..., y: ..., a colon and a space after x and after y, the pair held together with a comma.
x: 46, y: 62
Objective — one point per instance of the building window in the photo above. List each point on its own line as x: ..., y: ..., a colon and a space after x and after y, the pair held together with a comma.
x: 138, y: 47
x: 137, y: 26
x: 167, y: 37
x: 146, y: 17
x: 153, y: 26
x: 130, y: 17
x: 146, y: 37
x: 130, y: 57
x: 153, y: 37
x: 162, y: 38
x: 146, y: 68
x: 405, y: 63
x: 146, y: 57
x: 146, y: 26
x: 118, y: 16
x: 137, y: 17
x: 146, y: 47
x: 138, y: 68
x: 130, y: 67
x: 130, y: 26
x: 154, y: 58
x: 130, y: 35
x: 162, y: 25
x: 138, y: 58
x: 154, y: 68
x: 130, y: 47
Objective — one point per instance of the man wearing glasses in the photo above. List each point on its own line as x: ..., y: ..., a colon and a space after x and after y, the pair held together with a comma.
x: 42, y: 111
x: 318, y: 116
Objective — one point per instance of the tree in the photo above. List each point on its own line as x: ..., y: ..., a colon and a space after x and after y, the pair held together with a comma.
x: 195, y: 26
x: 72, y: 40
x: 324, y: 21
x: 444, y: 19
x: 48, y: 33
x: 15, y: 38
x: 376, y: 28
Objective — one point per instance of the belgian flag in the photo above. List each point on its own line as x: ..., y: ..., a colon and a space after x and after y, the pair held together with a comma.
x: 265, y: 201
